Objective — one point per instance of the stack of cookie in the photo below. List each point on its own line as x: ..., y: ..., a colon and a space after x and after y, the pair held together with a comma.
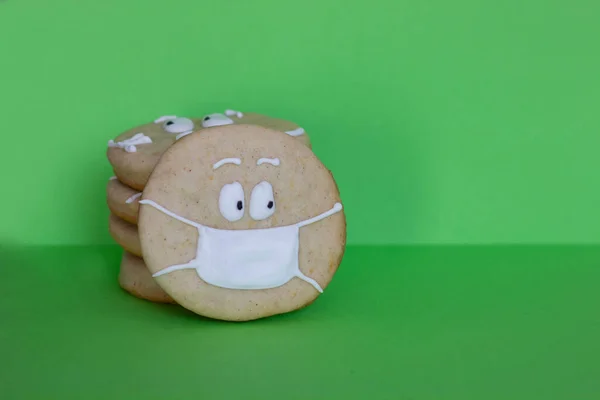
x: 134, y: 155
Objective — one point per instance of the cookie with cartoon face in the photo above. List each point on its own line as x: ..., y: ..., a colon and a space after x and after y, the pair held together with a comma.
x: 135, y: 278
x: 239, y: 222
x: 134, y: 153
x: 230, y: 117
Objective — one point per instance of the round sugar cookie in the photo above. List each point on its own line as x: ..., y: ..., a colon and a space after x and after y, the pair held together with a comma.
x: 122, y: 200
x: 135, y: 278
x: 134, y: 153
x: 125, y: 234
x: 239, y: 222
x: 230, y: 117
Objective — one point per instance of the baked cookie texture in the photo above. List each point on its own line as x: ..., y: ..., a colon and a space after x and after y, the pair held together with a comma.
x: 233, y: 184
x: 122, y: 200
x: 134, y: 155
x: 133, y: 163
x: 135, y: 278
x: 250, y: 118
x: 125, y: 234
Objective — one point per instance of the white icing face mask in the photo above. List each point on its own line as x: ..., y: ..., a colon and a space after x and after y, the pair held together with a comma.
x: 246, y: 259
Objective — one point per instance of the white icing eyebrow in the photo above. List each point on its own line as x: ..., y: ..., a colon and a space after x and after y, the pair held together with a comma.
x: 272, y: 161
x: 230, y: 113
x: 235, y: 161
x: 164, y: 118
x: 295, y: 132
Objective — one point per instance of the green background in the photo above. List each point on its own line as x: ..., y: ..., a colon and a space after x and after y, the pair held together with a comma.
x: 463, y: 136
x: 443, y: 121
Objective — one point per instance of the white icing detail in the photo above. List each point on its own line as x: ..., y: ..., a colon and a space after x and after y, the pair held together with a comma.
x: 132, y: 198
x: 337, y: 207
x: 178, y: 125
x: 295, y: 132
x: 230, y: 113
x: 272, y: 161
x: 164, y: 118
x: 129, y: 145
x: 112, y: 178
x: 260, y: 199
x: 216, y: 120
x: 235, y: 161
x: 229, y: 198
x: 246, y: 259
x: 182, y: 134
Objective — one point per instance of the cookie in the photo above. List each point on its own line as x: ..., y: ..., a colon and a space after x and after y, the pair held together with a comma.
x: 239, y: 222
x: 122, y: 200
x: 135, y: 278
x: 125, y: 234
x: 134, y: 153
x: 248, y: 118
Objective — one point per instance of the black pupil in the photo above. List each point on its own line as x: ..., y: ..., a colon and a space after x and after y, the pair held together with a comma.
x: 270, y: 205
x: 169, y: 123
x: 239, y: 205
x: 206, y: 118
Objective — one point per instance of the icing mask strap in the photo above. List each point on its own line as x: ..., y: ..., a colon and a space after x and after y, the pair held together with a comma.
x: 311, y: 281
x: 336, y: 208
x: 171, y: 214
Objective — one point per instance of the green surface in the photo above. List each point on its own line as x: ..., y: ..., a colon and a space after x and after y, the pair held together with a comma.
x: 459, y: 121
x: 417, y: 323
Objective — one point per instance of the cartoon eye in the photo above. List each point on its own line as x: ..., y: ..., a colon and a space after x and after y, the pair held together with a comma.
x: 231, y: 201
x: 178, y: 125
x: 262, y: 202
x: 216, y: 120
